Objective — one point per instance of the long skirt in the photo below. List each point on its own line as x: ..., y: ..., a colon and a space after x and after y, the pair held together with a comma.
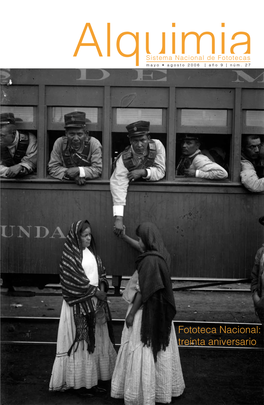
x: 80, y: 369
x: 137, y: 378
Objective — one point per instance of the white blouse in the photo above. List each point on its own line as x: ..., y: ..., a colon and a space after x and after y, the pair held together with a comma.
x: 90, y: 267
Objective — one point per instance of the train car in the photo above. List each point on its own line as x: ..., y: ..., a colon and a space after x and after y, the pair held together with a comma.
x: 210, y: 227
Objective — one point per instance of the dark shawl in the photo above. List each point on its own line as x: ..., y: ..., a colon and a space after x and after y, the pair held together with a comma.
x: 76, y: 288
x: 155, y: 286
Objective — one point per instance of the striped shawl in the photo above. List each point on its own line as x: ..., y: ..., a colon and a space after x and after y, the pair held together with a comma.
x: 76, y: 288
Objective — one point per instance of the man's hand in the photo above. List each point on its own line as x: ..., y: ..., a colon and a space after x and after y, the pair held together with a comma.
x: 189, y: 172
x: 137, y: 174
x: 13, y: 171
x: 123, y: 233
x: 118, y: 225
x: 72, y: 172
x: 80, y: 180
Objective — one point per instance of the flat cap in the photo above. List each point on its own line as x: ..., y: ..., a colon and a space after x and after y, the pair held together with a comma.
x: 189, y: 137
x: 7, y: 118
x: 138, y: 128
x: 75, y: 119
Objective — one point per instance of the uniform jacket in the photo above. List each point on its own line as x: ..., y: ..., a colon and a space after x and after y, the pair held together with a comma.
x: 119, y: 181
x: 249, y: 177
x: 57, y: 167
x: 205, y: 168
x: 29, y: 161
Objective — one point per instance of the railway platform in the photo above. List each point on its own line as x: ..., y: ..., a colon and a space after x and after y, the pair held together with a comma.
x: 214, y: 374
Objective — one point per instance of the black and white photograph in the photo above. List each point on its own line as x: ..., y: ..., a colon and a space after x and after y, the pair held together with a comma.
x: 132, y: 215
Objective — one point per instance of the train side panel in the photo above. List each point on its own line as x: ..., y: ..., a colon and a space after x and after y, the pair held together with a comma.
x: 210, y: 234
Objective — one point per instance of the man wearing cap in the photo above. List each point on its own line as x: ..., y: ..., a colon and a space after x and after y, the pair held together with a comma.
x: 194, y: 164
x: 18, y: 150
x: 143, y: 159
x: 251, y: 164
x: 77, y: 155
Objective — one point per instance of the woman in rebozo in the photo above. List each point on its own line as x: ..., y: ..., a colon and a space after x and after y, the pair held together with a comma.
x: 148, y: 367
x: 85, y: 352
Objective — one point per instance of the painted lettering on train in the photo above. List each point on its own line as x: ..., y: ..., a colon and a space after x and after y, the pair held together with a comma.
x: 29, y: 231
x: 158, y: 75
x: 139, y: 75
x: 247, y: 78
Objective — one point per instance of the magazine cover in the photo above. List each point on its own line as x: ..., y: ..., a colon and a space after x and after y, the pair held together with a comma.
x: 132, y: 203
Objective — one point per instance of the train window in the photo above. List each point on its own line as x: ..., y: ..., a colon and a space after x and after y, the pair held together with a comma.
x: 57, y: 114
x: 253, y: 121
x: 215, y: 147
x: 25, y: 116
x: 124, y: 116
x: 207, y: 121
x: 255, y: 118
x: 213, y: 128
x: 253, y: 124
x: 203, y: 117
x: 25, y: 119
x: 252, y: 114
x: 56, y: 122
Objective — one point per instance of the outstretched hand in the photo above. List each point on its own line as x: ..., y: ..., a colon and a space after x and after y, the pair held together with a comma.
x: 123, y: 232
x: 118, y: 226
